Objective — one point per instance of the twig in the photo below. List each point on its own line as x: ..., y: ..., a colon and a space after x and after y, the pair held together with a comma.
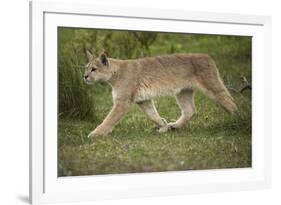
x: 247, y: 85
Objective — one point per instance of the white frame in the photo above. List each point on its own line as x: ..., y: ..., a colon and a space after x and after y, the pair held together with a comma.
x: 46, y: 187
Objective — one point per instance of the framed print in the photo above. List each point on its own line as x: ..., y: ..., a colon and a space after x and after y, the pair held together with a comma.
x: 129, y: 102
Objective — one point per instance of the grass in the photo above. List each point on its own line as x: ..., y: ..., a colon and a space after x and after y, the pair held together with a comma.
x: 212, y: 140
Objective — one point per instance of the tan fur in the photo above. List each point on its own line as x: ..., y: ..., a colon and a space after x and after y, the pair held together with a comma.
x: 139, y: 81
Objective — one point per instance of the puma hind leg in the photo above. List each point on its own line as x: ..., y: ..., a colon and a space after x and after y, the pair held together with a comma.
x: 149, y: 109
x: 216, y: 90
x: 186, y: 103
x: 210, y: 82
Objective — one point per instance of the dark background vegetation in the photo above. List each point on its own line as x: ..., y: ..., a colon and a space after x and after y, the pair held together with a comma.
x: 213, y: 139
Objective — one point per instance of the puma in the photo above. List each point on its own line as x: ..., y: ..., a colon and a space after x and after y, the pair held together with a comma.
x: 140, y: 80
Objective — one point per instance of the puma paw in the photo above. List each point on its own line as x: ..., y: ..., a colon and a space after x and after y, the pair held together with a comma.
x: 96, y: 133
x: 92, y: 135
x: 163, y: 129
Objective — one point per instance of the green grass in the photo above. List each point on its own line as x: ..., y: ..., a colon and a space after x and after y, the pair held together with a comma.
x: 213, y: 139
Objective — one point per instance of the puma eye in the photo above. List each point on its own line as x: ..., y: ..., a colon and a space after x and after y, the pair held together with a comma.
x: 93, y: 69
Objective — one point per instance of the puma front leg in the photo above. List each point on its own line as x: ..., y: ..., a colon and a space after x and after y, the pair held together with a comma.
x: 119, y: 109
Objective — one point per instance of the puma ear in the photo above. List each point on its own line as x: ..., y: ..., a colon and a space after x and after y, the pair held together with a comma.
x: 89, y: 55
x: 103, y: 59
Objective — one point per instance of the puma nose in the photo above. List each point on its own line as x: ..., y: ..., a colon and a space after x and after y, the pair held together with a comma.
x: 86, y: 76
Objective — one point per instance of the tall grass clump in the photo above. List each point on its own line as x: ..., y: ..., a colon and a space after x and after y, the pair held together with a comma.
x: 75, y: 97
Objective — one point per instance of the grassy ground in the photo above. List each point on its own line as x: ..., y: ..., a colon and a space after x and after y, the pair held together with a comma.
x: 213, y: 139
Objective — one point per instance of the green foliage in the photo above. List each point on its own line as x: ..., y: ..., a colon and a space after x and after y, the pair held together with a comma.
x: 213, y: 138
